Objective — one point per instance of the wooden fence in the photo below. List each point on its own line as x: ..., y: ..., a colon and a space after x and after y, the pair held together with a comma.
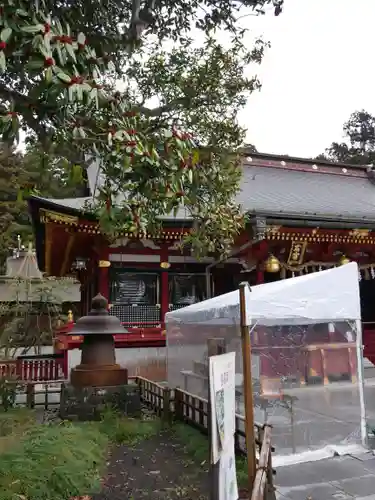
x: 177, y: 404
x: 36, y: 395
x: 35, y: 368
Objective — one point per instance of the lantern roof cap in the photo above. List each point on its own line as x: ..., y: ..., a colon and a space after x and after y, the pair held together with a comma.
x: 98, y: 321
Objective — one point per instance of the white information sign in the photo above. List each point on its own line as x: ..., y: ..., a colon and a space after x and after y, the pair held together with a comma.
x: 223, y: 421
x: 228, y: 489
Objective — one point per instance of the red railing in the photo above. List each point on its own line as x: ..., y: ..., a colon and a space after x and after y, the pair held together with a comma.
x: 35, y: 368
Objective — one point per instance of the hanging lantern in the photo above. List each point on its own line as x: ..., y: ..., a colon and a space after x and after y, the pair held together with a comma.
x: 79, y: 264
x: 343, y: 260
x: 272, y: 265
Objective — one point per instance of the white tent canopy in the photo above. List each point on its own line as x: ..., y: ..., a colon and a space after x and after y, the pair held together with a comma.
x: 323, y: 297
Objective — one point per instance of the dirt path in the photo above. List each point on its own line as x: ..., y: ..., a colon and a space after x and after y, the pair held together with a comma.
x: 158, y: 468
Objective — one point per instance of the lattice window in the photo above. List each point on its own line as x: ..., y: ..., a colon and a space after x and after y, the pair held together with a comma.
x: 137, y: 315
x: 135, y: 288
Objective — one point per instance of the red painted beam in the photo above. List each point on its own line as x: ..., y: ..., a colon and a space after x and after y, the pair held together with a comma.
x: 137, y: 337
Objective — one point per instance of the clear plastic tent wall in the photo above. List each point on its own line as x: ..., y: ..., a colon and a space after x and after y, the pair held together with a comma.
x: 307, y: 365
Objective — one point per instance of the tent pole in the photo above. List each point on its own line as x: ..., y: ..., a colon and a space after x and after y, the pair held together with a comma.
x: 248, y: 389
x: 359, y: 349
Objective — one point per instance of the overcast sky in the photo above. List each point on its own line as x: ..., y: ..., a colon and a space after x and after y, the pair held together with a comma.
x: 320, y: 68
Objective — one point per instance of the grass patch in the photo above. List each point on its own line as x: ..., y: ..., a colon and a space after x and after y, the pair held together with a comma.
x: 197, y: 447
x: 59, y: 461
x: 53, y: 462
x: 13, y: 425
x: 128, y: 431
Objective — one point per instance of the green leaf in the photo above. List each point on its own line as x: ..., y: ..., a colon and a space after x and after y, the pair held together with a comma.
x: 64, y: 77
x: 195, y: 157
x: 60, y: 55
x: 71, y: 92
x: 70, y: 51
x: 48, y: 75
x: 76, y: 173
x: 190, y: 176
x: 32, y: 28
x: 81, y: 39
x: 34, y: 64
x: 22, y: 13
x: 3, y: 63
x: 79, y: 91
x: 20, y: 195
x: 5, y: 34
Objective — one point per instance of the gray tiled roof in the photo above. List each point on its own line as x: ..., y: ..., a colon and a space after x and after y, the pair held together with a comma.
x: 82, y: 203
x: 268, y: 190
x: 73, y: 203
x: 281, y: 191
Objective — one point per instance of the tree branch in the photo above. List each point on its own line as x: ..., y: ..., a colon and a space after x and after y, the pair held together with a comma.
x: 166, y: 108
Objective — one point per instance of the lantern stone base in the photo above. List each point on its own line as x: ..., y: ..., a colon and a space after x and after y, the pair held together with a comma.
x: 98, y: 375
x: 89, y: 403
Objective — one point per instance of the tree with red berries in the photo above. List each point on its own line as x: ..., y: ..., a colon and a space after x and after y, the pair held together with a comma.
x: 82, y: 77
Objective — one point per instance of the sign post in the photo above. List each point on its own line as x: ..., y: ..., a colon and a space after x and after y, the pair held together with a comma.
x: 248, y: 389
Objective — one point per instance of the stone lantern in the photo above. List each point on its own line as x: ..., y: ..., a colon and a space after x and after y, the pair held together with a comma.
x: 98, y: 366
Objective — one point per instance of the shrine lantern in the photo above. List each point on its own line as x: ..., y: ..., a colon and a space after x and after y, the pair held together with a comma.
x: 272, y: 265
x: 98, y: 366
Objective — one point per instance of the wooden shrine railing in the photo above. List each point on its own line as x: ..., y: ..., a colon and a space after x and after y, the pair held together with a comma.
x: 41, y: 368
x: 180, y: 405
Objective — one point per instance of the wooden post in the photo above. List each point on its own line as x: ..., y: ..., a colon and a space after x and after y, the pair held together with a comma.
x: 214, y: 348
x: 178, y: 405
x: 248, y: 389
x: 167, y: 405
x: 30, y: 396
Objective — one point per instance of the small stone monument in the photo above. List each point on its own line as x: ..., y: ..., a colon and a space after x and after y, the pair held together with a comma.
x: 98, y: 366
x: 98, y: 381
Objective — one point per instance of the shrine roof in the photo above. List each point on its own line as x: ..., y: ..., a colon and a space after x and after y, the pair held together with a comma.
x: 282, y: 186
x: 293, y: 187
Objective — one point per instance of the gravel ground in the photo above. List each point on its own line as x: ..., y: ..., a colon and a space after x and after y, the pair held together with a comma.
x: 157, y: 468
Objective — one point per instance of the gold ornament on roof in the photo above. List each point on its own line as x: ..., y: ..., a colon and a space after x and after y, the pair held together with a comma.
x: 344, y: 260
x: 272, y: 264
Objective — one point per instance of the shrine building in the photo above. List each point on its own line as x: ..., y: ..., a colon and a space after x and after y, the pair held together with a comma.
x: 303, y: 216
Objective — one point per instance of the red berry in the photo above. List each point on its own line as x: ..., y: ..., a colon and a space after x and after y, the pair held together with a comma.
x: 48, y: 61
x: 47, y: 28
x: 2, y: 45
